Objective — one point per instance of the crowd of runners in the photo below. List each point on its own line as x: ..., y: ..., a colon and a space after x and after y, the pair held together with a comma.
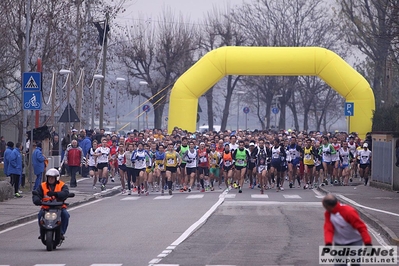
x: 263, y: 160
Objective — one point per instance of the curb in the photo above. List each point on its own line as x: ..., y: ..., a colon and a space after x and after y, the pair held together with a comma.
x: 371, y: 220
x: 33, y: 216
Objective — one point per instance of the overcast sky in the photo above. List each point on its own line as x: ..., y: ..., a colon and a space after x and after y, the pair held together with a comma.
x: 194, y: 9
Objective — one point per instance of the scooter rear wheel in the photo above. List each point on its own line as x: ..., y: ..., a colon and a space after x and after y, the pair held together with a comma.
x: 49, y: 240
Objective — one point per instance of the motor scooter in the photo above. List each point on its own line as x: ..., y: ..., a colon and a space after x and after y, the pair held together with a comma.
x: 50, y: 223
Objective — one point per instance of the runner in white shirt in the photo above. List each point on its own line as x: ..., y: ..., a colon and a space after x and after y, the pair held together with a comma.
x: 103, y: 157
x: 191, y: 157
x: 365, y: 161
x: 141, y: 159
x: 91, y: 162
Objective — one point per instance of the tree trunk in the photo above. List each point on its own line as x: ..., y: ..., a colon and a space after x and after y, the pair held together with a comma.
x: 305, y: 119
x: 261, y: 120
x: 230, y: 87
x: 281, y: 124
x: 209, y: 101
x: 158, y: 112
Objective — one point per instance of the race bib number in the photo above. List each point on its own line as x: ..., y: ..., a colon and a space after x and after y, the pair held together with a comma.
x: 160, y: 166
x: 276, y: 155
x: 171, y: 161
x: 213, y: 161
x: 308, y: 156
x: 227, y: 163
x: 203, y: 159
x: 240, y: 162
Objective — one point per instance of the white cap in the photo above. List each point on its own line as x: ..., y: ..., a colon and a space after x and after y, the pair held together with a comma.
x: 74, y: 130
x: 365, y: 145
x: 202, y: 143
x: 251, y: 144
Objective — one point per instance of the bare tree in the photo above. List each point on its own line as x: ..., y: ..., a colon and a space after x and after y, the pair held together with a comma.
x: 159, y: 54
x: 370, y: 26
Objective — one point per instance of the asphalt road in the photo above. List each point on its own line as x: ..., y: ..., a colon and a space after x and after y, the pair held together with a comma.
x: 277, y: 228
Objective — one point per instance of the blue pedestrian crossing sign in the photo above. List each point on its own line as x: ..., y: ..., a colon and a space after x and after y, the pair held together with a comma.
x: 32, y: 81
x: 275, y: 110
x: 245, y: 110
x: 32, y: 100
x: 349, y: 109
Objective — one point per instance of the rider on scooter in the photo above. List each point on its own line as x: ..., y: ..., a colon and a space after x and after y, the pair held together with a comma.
x: 53, y: 188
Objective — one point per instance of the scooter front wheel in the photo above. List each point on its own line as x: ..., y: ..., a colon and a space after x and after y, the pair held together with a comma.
x: 49, y: 240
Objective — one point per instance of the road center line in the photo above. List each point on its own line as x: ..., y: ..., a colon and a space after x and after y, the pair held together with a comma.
x: 365, y: 207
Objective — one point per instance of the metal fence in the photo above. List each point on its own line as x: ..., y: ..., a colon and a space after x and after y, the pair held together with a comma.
x: 382, y: 160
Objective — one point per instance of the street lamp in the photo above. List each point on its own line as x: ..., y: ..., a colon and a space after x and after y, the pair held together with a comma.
x: 116, y: 101
x: 141, y: 83
x: 276, y: 97
x: 68, y: 73
x: 238, y: 107
x: 99, y: 77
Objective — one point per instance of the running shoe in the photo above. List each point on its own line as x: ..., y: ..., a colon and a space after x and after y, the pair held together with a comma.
x: 335, y: 182
x: 94, y: 188
x: 189, y: 189
x: 281, y: 188
x: 291, y: 184
x: 162, y: 191
x: 261, y: 191
x: 212, y: 189
x: 102, y: 187
x: 170, y: 192
x: 135, y: 189
x: 129, y: 192
x: 202, y: 190
x: 239, y: 190
x: 17, y: 195
x: 306, y: 186
x: 112, y: 179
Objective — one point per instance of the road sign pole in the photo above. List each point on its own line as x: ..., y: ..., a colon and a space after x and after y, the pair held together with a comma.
x: 37, y: 113
x: 246, y: 121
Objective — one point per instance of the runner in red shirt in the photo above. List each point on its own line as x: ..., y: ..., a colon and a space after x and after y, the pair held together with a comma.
x: 203, y: 165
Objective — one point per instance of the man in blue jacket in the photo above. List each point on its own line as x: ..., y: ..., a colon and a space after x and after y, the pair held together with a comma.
x: 85, y: 145
x: 7, y: 153
x: 38, y: 164
x: 15, y: 168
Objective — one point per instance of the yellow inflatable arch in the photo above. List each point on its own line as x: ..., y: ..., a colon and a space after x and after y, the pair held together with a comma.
x: 270, y: 61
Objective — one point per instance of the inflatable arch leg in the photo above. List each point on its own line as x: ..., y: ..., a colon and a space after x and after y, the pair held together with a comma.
x: 270, y: 61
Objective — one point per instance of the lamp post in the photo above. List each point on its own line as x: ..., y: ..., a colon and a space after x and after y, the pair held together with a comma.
x: 238, y: 107
x: 141, y: 83
x: 116, y: 101
x: 68, y: 73
x: 93, y: 104
x: 276, y: 97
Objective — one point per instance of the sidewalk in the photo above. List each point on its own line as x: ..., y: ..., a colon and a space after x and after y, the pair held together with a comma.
x: 379, y: 208
x: 16, y: 211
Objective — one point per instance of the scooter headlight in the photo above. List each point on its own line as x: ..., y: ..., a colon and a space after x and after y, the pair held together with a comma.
x: 51, y: 216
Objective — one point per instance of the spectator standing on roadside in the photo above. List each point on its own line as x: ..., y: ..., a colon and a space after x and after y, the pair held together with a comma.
x: 7, y: 153
x: 85, y: 145
x: 3, y: 147
x: 55, y: 150
x: 74, y: 159
x: 15, y: 168
x: 38, y: 164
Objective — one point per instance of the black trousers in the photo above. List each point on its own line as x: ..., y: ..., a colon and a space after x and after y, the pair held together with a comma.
x: 14, y: 179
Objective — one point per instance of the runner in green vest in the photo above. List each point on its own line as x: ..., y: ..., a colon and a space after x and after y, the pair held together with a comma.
x: 240, y: 157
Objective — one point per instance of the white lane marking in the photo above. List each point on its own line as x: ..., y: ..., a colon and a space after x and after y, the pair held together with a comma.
x: 49, y: 265
x: 377, y: 236
x: 35, y: 220
x: 198, y: 223
x: 318, y: 194
x: 154, y: 261
x: 257, y: 196
x: 219, y: 265
x: 188, y: 232
x: 110, y: 264
x: 266, y: 203
x: 227, y: 196
x: 365, y: 207
x: 130, y: 198
x: 195, y: 196
x: 292, y: 196
x: 163, y: 197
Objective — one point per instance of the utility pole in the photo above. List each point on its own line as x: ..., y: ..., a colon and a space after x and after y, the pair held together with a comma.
x: 103, y: 71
